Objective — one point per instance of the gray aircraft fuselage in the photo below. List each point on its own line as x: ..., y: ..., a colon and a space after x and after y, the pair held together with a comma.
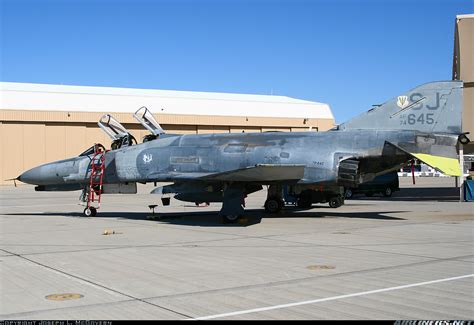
x: 424, y: 123
x: 160, y: 159
x: 164, y: 159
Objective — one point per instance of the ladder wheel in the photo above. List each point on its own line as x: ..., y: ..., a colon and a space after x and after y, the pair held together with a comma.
x: 90, y: 212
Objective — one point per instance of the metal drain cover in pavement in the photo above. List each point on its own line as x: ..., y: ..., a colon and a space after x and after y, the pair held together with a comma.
x: 320, y: 267
x: 64, y: 296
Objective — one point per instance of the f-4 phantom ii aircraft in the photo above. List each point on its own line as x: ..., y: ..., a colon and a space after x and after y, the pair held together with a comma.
x: 424, y: 123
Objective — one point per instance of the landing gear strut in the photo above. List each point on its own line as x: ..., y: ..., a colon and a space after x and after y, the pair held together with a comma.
x: 274, y: 202
x: 232, y: 204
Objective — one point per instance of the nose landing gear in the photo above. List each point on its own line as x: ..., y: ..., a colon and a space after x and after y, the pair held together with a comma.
x: 90, y: 212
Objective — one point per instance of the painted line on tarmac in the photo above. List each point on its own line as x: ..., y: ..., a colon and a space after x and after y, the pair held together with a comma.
x: 357, y: 294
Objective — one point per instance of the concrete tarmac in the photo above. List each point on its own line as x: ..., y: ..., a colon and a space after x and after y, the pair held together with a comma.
x: 406, y: 257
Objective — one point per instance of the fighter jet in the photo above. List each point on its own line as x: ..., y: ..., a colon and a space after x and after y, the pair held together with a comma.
x: 424, y: 123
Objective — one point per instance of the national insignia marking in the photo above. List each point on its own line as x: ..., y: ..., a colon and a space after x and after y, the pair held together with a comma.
x: 147, y: 158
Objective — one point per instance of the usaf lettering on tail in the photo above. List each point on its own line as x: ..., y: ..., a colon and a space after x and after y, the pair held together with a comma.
x: 424, y: 123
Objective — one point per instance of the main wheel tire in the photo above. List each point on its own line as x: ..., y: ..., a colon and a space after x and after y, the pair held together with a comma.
x: 233, y: 218
x: 388, y: 192
x: 304, y: 202
x: 335, y: 202
x: 90, y: 212
x: 348, y: 194
x: 273, y: 205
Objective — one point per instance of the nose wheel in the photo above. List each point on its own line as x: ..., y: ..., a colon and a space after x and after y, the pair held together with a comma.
x: 90, y: 212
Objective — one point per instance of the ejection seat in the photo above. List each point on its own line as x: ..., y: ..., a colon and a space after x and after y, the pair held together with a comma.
x: 116, y: 131
x: 144, y: 116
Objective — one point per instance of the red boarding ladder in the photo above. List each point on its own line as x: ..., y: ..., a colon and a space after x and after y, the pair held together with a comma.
x: 96, y: 178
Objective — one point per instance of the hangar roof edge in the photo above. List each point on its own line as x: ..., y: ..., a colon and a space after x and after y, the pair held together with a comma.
x: 102, y: 90
x: 30, y: 96
x: 465, y: 16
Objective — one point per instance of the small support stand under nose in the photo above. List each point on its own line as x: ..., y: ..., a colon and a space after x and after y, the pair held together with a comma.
x: 153, y: 215
x: 152, y: 207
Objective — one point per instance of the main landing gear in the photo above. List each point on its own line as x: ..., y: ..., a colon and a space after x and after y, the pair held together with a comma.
x: 274, y: 202
x: 230, y: 218
x: 233, y: 200
x: 232, y: 203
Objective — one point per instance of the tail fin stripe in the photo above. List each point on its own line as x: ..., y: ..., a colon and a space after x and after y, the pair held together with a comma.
x: 408, y: 107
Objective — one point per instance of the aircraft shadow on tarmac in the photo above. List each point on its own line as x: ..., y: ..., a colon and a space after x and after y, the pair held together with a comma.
x: 211, y: 218
x: 438, y: 194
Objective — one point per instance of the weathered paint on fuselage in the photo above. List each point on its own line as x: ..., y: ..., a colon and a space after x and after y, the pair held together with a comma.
x: 171, y: 158
x: 163, y: 159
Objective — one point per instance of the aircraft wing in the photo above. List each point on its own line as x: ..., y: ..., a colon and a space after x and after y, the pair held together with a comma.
x: 257, y: 173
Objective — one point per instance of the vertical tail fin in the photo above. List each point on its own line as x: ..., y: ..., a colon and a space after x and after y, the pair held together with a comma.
x: 434, y: 107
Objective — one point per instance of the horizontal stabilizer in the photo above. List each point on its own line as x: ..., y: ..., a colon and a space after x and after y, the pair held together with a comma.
x: 448, y: 166
x: 439, y: 156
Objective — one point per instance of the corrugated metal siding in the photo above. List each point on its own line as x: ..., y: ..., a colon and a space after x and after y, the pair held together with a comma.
x: 2, y: 154
x: 87, y: 117
x: 463, y: 69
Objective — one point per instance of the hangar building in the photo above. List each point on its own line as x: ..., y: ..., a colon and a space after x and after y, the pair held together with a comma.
x: 463, y: 69
x: 40, y: 123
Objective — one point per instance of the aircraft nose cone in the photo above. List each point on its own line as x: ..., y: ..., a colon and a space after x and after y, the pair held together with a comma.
x: 32, y: 176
